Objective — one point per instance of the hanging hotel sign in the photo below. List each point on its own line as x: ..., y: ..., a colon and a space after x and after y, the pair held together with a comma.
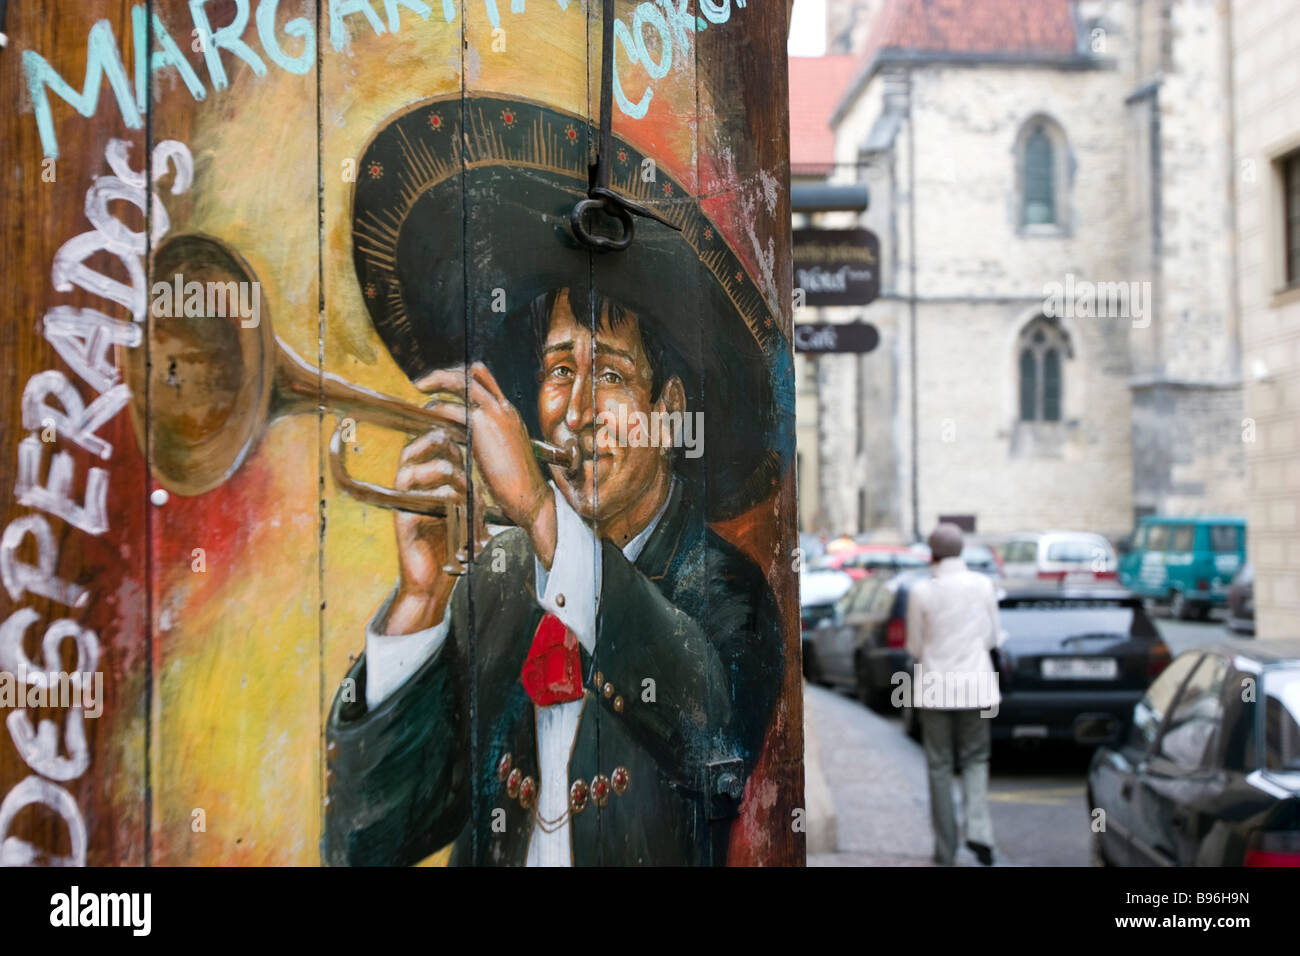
x: 837, y: 266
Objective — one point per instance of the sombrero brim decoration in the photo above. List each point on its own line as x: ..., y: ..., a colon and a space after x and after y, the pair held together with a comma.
x: 459, y: 203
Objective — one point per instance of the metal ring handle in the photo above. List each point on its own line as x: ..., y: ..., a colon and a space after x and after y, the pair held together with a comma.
x: 602, y: 243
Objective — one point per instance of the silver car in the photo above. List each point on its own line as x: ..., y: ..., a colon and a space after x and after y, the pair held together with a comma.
x: 1075, y: 557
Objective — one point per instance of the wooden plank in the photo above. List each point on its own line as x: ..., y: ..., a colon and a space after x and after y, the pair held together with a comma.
x: 654, y: 161
x: 745, y: 155
x: 76, y: 555
x: 390, y: 126
x: 526, y: 157
x: 234, y: 550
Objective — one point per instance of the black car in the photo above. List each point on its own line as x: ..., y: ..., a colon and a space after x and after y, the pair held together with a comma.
x: 861, y: 644
x: 1209, y: 773
x: 1073, y: 662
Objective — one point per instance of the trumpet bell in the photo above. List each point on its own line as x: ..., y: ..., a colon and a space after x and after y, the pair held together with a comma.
x: 201, y: 391
x: 206, y: 386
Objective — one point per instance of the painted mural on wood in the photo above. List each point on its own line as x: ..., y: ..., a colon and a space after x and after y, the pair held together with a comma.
x: 444, y: 538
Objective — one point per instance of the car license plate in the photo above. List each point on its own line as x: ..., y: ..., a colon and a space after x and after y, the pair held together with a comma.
x: 1029, y: 730
x: 1080, y: 668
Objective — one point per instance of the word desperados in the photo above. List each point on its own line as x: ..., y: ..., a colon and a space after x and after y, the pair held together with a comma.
x: 133, y: 910
x: 671, y: 20
x: 84, y: 339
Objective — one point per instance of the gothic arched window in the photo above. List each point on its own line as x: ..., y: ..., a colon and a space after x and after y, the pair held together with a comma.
x: 1041, y: 160
x: 1041, y: 349
x: 1040, y: 193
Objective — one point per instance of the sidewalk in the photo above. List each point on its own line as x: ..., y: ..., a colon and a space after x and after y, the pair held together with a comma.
x: 877, y: 782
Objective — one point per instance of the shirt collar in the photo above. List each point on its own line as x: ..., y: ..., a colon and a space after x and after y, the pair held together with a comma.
x: 632, y: 550
x: 949, y: 566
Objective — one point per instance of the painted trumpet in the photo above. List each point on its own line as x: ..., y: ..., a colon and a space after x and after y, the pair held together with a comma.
x: 212, y: 386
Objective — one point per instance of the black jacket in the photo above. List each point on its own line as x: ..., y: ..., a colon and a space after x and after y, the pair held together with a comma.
x: 687, y: 668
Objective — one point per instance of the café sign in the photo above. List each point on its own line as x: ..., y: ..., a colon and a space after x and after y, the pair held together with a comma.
x: 858, y: 337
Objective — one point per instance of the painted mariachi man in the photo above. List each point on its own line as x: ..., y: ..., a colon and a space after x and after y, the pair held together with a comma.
x: 597, y: 688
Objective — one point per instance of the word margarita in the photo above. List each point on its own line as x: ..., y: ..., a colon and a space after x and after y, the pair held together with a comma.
x: 659, y: 30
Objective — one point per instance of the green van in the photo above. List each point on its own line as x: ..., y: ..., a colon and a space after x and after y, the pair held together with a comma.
x: 1186, y: 562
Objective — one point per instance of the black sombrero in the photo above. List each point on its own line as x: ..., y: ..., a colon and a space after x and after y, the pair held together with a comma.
x: 461, y: 208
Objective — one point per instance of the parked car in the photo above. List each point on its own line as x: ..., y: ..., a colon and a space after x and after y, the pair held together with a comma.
x: 860, y: 645
x: 1187, y: 563
x: 977, y: 555
x: 1073, y: 661
x: 1241, y: 601
x: 982, y: 558
x: 1208, y: 774
x: 889, y: 559
x: 818, y: 592
x: 1062, y: 556
x: 813, y: 546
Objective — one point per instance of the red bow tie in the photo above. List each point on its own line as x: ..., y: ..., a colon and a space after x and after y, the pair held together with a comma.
x: 552, y: 672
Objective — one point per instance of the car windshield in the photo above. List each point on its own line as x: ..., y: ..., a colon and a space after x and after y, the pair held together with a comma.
x: 822, y: 587
x: 1051, y: 617
x: 1223, y: 539
x: 1076, y: 551
x: 1281, y: 689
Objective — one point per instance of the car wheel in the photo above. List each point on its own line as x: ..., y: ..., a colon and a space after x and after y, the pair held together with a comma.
x: 1096, y: 852
x: 1203, y: 612
x: 1179, y: 607
x: 869, y: 695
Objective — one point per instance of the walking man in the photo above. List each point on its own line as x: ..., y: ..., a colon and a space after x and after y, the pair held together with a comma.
x: 952, y: 625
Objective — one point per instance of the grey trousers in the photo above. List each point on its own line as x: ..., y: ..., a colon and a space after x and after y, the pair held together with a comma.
x: 966, y: 734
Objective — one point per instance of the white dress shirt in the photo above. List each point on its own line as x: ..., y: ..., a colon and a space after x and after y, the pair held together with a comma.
x: 574, y: 579
x: 952, y: 624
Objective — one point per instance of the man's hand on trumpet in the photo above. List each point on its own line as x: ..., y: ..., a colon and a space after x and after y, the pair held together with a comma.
x: 503, y: 452
x: 432, y: 464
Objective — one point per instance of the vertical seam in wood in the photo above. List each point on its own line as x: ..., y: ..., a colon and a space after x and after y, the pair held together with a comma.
x: 322, y: 791
x: 471, y: 656
x: 148, y: 448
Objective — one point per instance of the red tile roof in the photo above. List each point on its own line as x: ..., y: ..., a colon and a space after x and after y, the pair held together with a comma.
x: 1012, y: 29
x: 975, y: 26
x: 816, y: 85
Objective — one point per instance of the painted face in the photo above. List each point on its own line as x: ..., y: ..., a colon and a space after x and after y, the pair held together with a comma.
x: 580, y: 379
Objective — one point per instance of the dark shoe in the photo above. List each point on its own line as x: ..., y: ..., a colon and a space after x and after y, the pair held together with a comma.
x: 983, y: 853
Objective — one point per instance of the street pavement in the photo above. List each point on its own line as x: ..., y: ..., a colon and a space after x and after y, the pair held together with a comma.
x: 877, y: 781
